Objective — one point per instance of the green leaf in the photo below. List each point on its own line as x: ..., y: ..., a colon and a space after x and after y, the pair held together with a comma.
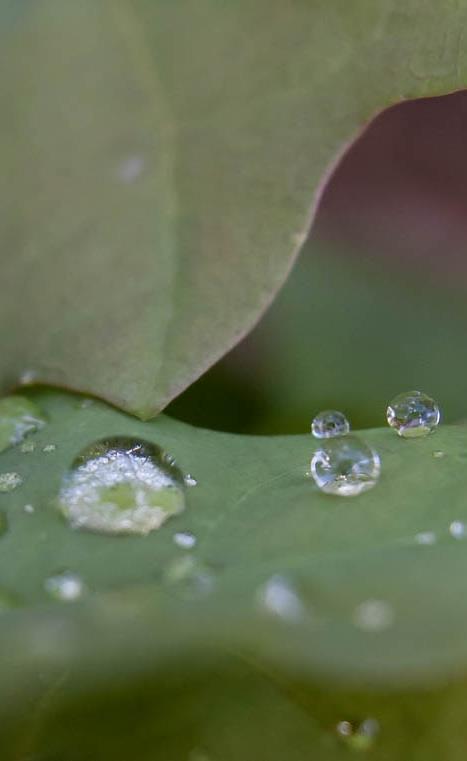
x: 152, y: 662
x: 159, y: 162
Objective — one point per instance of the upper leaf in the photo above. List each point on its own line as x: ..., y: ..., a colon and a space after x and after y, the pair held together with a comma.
x: 159, y: 162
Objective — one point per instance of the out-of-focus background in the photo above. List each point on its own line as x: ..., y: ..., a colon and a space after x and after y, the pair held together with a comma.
x: 377, y: 301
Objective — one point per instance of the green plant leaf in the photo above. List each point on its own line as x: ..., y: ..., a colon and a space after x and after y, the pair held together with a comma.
x: 159, y: 164
x: 186, y: 665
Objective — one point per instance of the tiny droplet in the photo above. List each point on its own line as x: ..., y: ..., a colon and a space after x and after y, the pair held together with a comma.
x: 28, y: 508
x: 66, y: 586
x: 458, y: 530
x: 425, y: 537
x: 278, y: 596
x: 373, y: 615
x: 438, y: 454
x: 49, y: 448
x: 189, y: 577
x: 359, y: 736
x: 190, y: 480
x: 184, y: 539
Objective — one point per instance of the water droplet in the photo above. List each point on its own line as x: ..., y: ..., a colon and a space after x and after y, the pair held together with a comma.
x: 330, y: 423
x: 131, y: 168
x: 190, y: 480
x: 373, y: 615
x: 458, y: 530
x: 84, y: 404
x: 10, y: 481
x: 28, y: 377
x: 345, y: 466
x: 28, y: 508
x: 49, y: 448
x: 438, y: 454
x: 279, y: 597
x: 122, y: 486
x: 27, y: 447
x: 425, y: 537
x: 413, y: 414
x: 184, y: 539
x: 66, y: 586
x: 358, y: 735
x: 18, y: 417
x: 190, y: 577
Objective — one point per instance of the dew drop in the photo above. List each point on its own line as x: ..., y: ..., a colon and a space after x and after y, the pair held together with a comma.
x: 329, y: 423
x: 345, y: 466
x: 66, y: 586
x: 18, y: 417
x: 190, y: 480
x: 122, y: 486
x: 28, y: 508
x: 359, y: 736
x: 413, y: 414
x: 189, y: 577
x: 49, y: 448
x: 27, y: 447
x: 373, y: 615
x: 438, y: 454
x: 131, y: 168
x: 278, y: 596
x: 10, y: 481
x: 184, y: 539
x: 458, y: 530
x: 425, y: 537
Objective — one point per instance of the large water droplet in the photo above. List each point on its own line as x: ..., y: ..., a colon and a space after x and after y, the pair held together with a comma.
x: 413, y: 414
x: 345, y: 466
x: 18, y: 417
x: 10, y: 481
x: 373, y: 615
x: 278, y: 596
x: 122, y: 486
x: 66, y: 586
x: 358, y: 735
x: 330, y: 423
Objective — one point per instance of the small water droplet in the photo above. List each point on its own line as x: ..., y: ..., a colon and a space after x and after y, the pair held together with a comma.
x: 190, y: 480
x: 438, y: 454
x: 18, y: 417
x: 373, y: 615
x: 458, y: 530
x: 10, y: 481
x: 49, y: 448
x: 28, y: 508
x: 131, y: 168
x: 191, y: 578
x: 122, y: 486
x: 330, y: 423
x: 359, y: 736
x: 184, y: 539
x: 278, y: 596
x: 27, y: 447
x: 345, y: 466
x: 84, y: 404
x: 425, y: 537
x: 28, y: 377
x: 66, y: 586
x: 413, y: 414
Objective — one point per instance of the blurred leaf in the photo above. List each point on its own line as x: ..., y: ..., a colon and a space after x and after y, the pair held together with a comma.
x: 149, y: 663
x: 346, y: 334
x: 158, y: 166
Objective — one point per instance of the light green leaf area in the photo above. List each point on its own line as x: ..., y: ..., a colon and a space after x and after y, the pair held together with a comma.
x: 159, y: 165
x: 178, y: 654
